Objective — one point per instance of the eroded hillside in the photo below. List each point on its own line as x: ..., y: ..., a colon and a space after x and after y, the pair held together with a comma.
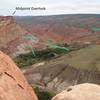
x: 58, y: 29
x: 63, y: 28
x: 74, y: 68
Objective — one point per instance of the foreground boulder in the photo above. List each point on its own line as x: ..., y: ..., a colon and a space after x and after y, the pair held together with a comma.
x: 80, y: 92
x: 13, y: 85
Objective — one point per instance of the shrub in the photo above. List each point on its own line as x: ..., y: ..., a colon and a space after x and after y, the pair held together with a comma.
x: 43, y: 95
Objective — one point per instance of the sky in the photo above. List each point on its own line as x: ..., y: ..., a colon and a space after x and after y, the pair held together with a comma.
x: 53, y: 7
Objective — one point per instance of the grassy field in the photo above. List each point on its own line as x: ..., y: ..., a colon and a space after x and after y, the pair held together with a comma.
x: 86, y: 58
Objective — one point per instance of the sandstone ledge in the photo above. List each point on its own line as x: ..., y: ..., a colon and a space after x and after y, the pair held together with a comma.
x: 80, y: 92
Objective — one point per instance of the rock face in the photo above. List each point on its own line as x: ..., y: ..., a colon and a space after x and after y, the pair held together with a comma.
x: 80, y: 92
x: 8, y: 44
x: 13, y: 85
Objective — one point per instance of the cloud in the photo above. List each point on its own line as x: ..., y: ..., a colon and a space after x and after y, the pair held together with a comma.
x: 53, y: 6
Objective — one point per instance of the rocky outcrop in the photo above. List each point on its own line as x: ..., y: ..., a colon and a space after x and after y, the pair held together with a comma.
x: 10, y: 35
x: 13, y: 85
x: 80, y: 92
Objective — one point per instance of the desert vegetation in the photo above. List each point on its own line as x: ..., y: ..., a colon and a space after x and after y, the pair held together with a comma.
x: 24, y: 60
x: 28, y: 59
x: 44, y: 94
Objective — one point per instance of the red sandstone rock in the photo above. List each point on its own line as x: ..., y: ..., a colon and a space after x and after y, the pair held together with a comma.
x: 13, y: 85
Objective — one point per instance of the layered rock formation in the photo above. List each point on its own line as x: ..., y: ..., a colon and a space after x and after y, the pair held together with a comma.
x: 59, y: 76
x: 80, y: 92
x: 62, y: 28
x: 11, y: 36
x: 13, y: 85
